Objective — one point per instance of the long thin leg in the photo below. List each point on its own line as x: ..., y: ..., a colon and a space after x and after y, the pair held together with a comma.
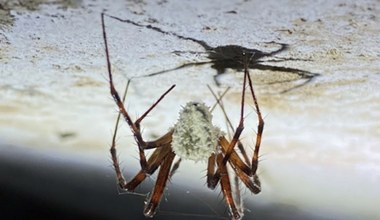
x: 219, y: 102
x: 234, y: 140
x: 243, y: 171
x: 218, y: 99
x: 135, y: 127
x: 154, y: 162
x: 226, y: 188
x: 138, y: 121
x: 119, y: 175
x: 120, y: 104
x: 240, y: 127
x: 240, y: 167
x: 260, y: 126
x: 211, y: 171
x: 162, y: 178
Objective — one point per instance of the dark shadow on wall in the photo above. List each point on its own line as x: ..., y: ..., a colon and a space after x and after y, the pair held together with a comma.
x: 37, y: 185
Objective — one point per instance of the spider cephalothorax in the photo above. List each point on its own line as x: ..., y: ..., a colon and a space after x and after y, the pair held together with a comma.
x: 193, y: 137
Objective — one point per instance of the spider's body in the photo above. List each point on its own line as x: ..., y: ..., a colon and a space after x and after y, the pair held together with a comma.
x: 194, y: 136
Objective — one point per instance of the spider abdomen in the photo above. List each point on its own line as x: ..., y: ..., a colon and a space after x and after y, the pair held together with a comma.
x: 194, y: 136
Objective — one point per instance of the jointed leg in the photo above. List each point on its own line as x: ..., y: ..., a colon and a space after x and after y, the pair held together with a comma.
x: 260, y: 126
x: 119, y: 175
x: 154, y: 162
x: 135, y: 126
x: 241, y: 169
x: 211, y: 180
x: 240, y: 127
x: 162, y: 178
x: 215, y: 179
x: 220, y: 103
x: 226, y: 188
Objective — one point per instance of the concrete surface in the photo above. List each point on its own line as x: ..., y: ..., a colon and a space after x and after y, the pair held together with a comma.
x: 320, y: 154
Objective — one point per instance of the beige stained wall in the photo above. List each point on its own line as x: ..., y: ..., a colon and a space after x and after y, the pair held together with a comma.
x: 320, y: 147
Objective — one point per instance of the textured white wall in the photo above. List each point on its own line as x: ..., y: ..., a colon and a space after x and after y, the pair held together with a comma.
x: 320, y: 148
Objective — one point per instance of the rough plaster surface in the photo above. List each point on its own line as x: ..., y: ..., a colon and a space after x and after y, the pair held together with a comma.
x: 320, y: 150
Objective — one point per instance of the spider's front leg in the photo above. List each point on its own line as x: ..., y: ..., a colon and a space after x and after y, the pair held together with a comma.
x: 213, y: 181
x: 260, y: 126
x: 245, y: 171
x: 217, y: 159
x: 154, y: 199
x: 134, y: 126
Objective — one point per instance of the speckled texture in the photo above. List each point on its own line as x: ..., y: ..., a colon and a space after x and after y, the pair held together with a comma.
x: 320, y: 146
x: 195, y: 137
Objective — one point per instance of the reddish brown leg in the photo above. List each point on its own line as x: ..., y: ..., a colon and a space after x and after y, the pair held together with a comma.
x: 163, y: 148
x: 241, y: 169
x: 234, y: 140
x: 226, y: 188
x: 154, y: 162
x: 135, y: 126
x: 219, y: 102
x: 260, y: 126
x: 211, y: 172
x: 162, y: 178
x: 240, y: 127
x: 119, y: 175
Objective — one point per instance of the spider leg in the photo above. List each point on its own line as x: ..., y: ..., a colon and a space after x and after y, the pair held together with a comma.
x: 134, y: 126
x: 162, y: 178
x: 219, y: 102
x: 215, y: 178
x: 162, y: 141
x: 115, y: 160
x: 217, y: 160
x: 154, y: 162
x: 240, y: 127
x: 211, y: 180
x: 218, y: 99
x: 175, y: 167
x: 242, y: 170
x: 226, y: 188
x: 260, y: 126
x: 138, y: 121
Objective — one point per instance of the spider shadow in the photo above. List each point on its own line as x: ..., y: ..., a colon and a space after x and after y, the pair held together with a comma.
x: 226, y: 57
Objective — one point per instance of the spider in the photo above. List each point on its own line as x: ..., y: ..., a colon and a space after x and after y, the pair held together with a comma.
x: 193, y: 137
x: 226, y: 57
